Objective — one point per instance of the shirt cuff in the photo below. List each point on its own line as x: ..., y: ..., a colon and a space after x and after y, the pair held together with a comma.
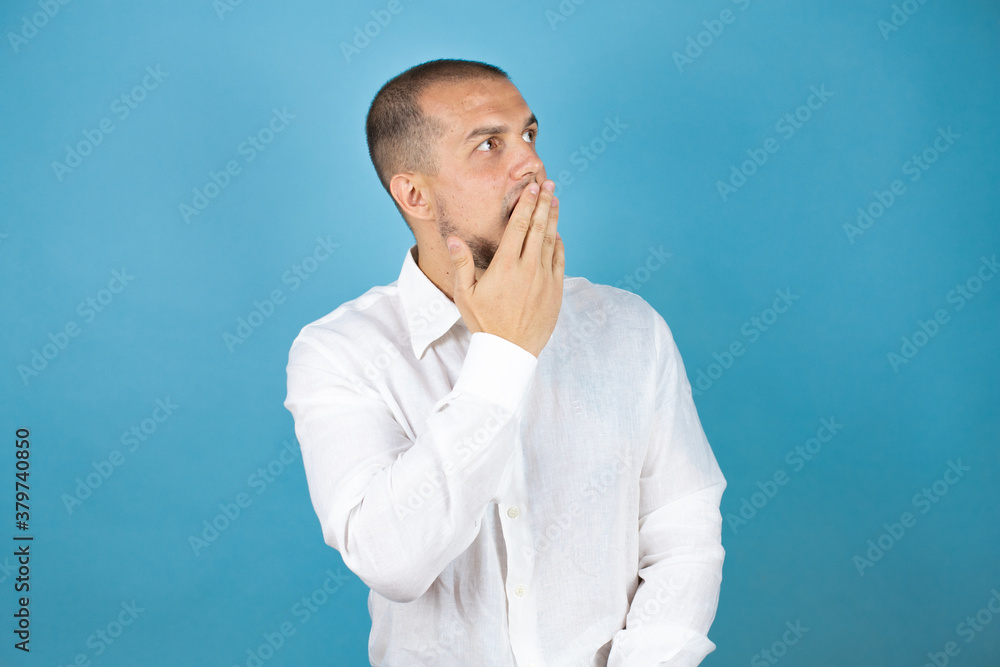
x: 497, y: 370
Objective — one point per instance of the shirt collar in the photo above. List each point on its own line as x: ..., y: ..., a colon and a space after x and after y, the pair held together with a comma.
x: 429, y: 312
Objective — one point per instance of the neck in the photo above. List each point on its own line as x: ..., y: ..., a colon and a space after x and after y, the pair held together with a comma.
x: 434, y: 260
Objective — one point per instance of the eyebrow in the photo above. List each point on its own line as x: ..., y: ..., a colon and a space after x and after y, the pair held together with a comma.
x: 496, y: 129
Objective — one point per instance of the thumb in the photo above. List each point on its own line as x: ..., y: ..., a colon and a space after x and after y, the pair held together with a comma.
x: 461, y: 259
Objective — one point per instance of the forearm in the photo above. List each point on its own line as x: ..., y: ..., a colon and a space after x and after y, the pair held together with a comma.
x: 681, y: 573
x: 399, y: 507
x: 416, y: 515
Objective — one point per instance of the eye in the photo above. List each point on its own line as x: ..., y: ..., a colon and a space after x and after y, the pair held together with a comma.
x: 529, y: 136
x: 480, y: 146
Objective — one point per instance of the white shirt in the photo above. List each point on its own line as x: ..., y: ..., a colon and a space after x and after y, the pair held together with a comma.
x: 506, y: 509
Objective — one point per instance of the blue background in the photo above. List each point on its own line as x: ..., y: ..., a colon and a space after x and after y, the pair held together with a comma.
x: 655, y: 187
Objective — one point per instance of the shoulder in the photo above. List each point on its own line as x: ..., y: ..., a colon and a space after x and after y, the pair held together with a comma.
x: 583, y: 300
x: 353, y: 326
x: 614, y: 322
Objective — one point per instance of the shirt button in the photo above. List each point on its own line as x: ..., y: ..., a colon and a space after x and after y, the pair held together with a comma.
x: 513, y: 512
x: 521, y: 591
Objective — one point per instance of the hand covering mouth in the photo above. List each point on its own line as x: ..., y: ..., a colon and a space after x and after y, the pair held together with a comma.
x: 513, y: 204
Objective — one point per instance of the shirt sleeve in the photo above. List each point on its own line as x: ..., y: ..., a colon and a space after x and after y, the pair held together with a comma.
x: 680, y: 529
x: 399, y: 510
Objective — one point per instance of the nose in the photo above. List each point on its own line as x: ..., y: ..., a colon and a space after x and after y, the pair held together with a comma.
x: 527, y: 166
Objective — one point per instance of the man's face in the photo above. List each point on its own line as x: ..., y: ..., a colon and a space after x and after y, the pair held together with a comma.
x: 485, y: 156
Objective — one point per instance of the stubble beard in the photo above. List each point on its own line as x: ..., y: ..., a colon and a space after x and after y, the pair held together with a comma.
x: 482, y: 248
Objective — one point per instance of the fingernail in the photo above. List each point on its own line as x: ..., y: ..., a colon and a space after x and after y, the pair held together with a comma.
x: 555, y: 201
x: 550, y: 186
x: 453, y: 245
x: 533, y: 188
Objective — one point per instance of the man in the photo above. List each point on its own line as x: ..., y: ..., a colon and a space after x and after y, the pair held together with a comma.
x: 511, y: 462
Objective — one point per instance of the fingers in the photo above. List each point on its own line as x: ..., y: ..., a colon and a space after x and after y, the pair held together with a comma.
x: 559, y: 260
x: 520, y: 222
x: 532, y: 231
x: 551, y: 235
x: 465, y: 270
x: 533, y: 250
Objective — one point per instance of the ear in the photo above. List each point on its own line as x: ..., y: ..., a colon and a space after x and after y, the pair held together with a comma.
x: 412, y: 195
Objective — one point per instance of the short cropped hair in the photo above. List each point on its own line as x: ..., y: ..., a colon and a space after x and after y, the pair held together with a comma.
x: 400, y: 136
